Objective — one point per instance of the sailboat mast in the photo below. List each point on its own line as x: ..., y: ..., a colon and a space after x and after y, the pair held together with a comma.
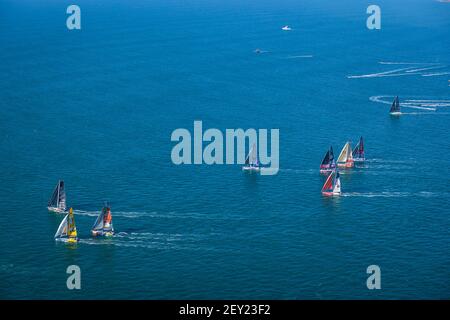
x: 57, y: 198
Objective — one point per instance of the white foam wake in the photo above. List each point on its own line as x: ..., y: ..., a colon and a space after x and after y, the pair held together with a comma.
x: 300, y: 56
x: 391, y: 194
x: 406, y: 63
x: 414, y: 68
x: 383, y: 74
x: 428, y: 105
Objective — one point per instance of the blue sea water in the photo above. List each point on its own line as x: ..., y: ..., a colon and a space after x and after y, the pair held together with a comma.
x: 96, y: 108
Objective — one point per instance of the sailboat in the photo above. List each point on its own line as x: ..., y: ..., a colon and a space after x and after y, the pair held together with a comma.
x: 332, y: 186
x: 57, y: 202
x: 395, y: 108
x: 103, y: 226
x: 328, y: 163
x: 358, y: 152
x: 251, y: 162
x: 67, y: 231
x: 345, y: 159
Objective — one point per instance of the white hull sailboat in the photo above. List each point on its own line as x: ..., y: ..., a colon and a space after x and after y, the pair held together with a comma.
x: 332, y: 186
x: 57, y: 202
x: 251, y: 161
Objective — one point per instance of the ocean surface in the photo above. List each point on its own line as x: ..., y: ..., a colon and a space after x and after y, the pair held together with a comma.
x: 96, y: 107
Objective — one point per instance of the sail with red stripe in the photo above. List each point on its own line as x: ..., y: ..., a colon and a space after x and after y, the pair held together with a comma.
x: 328, y: 186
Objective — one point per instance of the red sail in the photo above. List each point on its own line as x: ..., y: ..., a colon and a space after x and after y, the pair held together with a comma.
x: 329, y: 183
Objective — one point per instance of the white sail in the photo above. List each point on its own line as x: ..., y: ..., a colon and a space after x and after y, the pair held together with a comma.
x: 343, y: 156
x: 62, y: 196
x: 346, y: 153
x: 98, y: 225
x: 337, y: 185
x: 252, y: 157
x: 62, y: 229
x: 349, y: 152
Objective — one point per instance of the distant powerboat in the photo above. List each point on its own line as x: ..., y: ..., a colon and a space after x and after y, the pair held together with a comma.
x: 286, y: 28
x: 57, y: 202
x: 345, y: 159
x: 395, y: 108
x: 332, y: 186
x: 251, y: 162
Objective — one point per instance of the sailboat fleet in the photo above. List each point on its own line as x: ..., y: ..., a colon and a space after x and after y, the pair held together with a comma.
x: 330, y: 167
x: 103, y: 226
x: 347, y: 159
x: 67, y: 230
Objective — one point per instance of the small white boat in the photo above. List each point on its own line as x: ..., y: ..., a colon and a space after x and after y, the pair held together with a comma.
x: 57, y: 202
x: 251, y: 162
x: 286, y: 28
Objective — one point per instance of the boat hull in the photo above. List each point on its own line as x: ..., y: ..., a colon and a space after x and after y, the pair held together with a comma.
x: 56, y: 210
x: 348, y: 164
x: 359, y: 159
x: 395, y: 113
x: 249, y: 168
x: 330, y: 193
x: 67, y: 240
x: 102, y: 233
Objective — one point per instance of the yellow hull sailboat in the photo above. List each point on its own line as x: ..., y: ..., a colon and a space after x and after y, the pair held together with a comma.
x: 67, y: 231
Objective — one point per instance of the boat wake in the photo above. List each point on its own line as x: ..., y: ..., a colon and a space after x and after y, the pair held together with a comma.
x: 413, y: 68
x: 165, y: 215
x: 300, y: 56
x: 158, y: 241
x: 167, y: 237
x: 377, y: 160
x: 420, y: 104
x: 299, y: 171
x: 391, y: 194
